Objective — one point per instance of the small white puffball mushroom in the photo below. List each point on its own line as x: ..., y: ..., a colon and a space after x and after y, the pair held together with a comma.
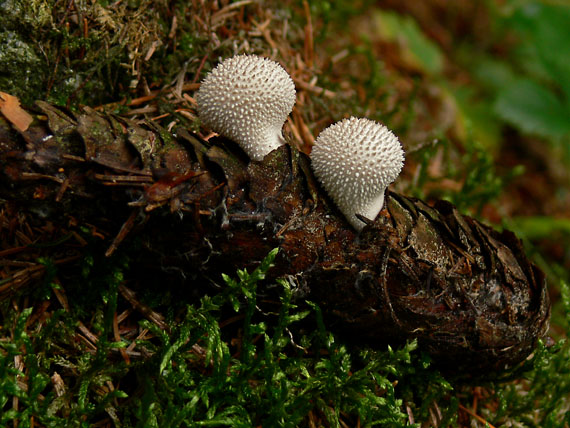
x: 247, y: 99
x: 355, y: 160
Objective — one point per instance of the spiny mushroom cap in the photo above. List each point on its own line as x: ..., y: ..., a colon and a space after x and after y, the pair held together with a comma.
x: 355, y: 160
x: 247, y: 99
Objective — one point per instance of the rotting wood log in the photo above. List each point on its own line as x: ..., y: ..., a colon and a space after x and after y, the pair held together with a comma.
x: 467, y: 292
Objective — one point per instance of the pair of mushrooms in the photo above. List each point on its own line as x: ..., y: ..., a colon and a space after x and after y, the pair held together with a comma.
x: 247, y: 99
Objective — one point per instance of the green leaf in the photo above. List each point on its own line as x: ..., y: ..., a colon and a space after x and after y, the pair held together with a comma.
x: 476, y: 118
x: 533, y: 109
x: 540, y: 226
x: 491, y: 73
x: 545, y: 30
x: 418, y: 49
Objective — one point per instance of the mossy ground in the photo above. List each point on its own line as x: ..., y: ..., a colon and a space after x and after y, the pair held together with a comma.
x: 74, y: 352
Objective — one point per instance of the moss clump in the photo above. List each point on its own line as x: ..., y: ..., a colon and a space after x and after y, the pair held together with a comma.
x: 79, y: 53
x: 17, y: 60
x: 25, y: 15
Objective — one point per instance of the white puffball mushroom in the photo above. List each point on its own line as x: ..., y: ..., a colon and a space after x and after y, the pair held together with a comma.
x: 355, y: 160
x: 247, y: 99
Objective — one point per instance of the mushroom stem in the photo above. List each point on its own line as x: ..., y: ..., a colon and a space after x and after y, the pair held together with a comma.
x: 370, y: 210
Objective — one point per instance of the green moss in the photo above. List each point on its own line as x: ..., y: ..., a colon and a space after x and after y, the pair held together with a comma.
x: 27, y: 15
x: 20, y: 66
x: 277, y: 375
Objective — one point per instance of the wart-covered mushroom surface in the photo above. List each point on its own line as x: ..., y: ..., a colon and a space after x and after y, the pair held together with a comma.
x: 247, y: 99
x: 355, y: 160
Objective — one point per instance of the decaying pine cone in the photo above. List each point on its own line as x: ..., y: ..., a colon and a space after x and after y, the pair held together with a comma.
x: 465, y: 291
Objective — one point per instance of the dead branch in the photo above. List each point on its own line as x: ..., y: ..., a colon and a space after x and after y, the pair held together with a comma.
x: 467, y: 292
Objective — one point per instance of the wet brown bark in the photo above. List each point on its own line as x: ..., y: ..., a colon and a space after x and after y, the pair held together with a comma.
x: 467, y: 292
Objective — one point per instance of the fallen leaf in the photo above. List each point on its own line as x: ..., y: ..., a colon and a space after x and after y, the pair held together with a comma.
x: 10, y: 108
